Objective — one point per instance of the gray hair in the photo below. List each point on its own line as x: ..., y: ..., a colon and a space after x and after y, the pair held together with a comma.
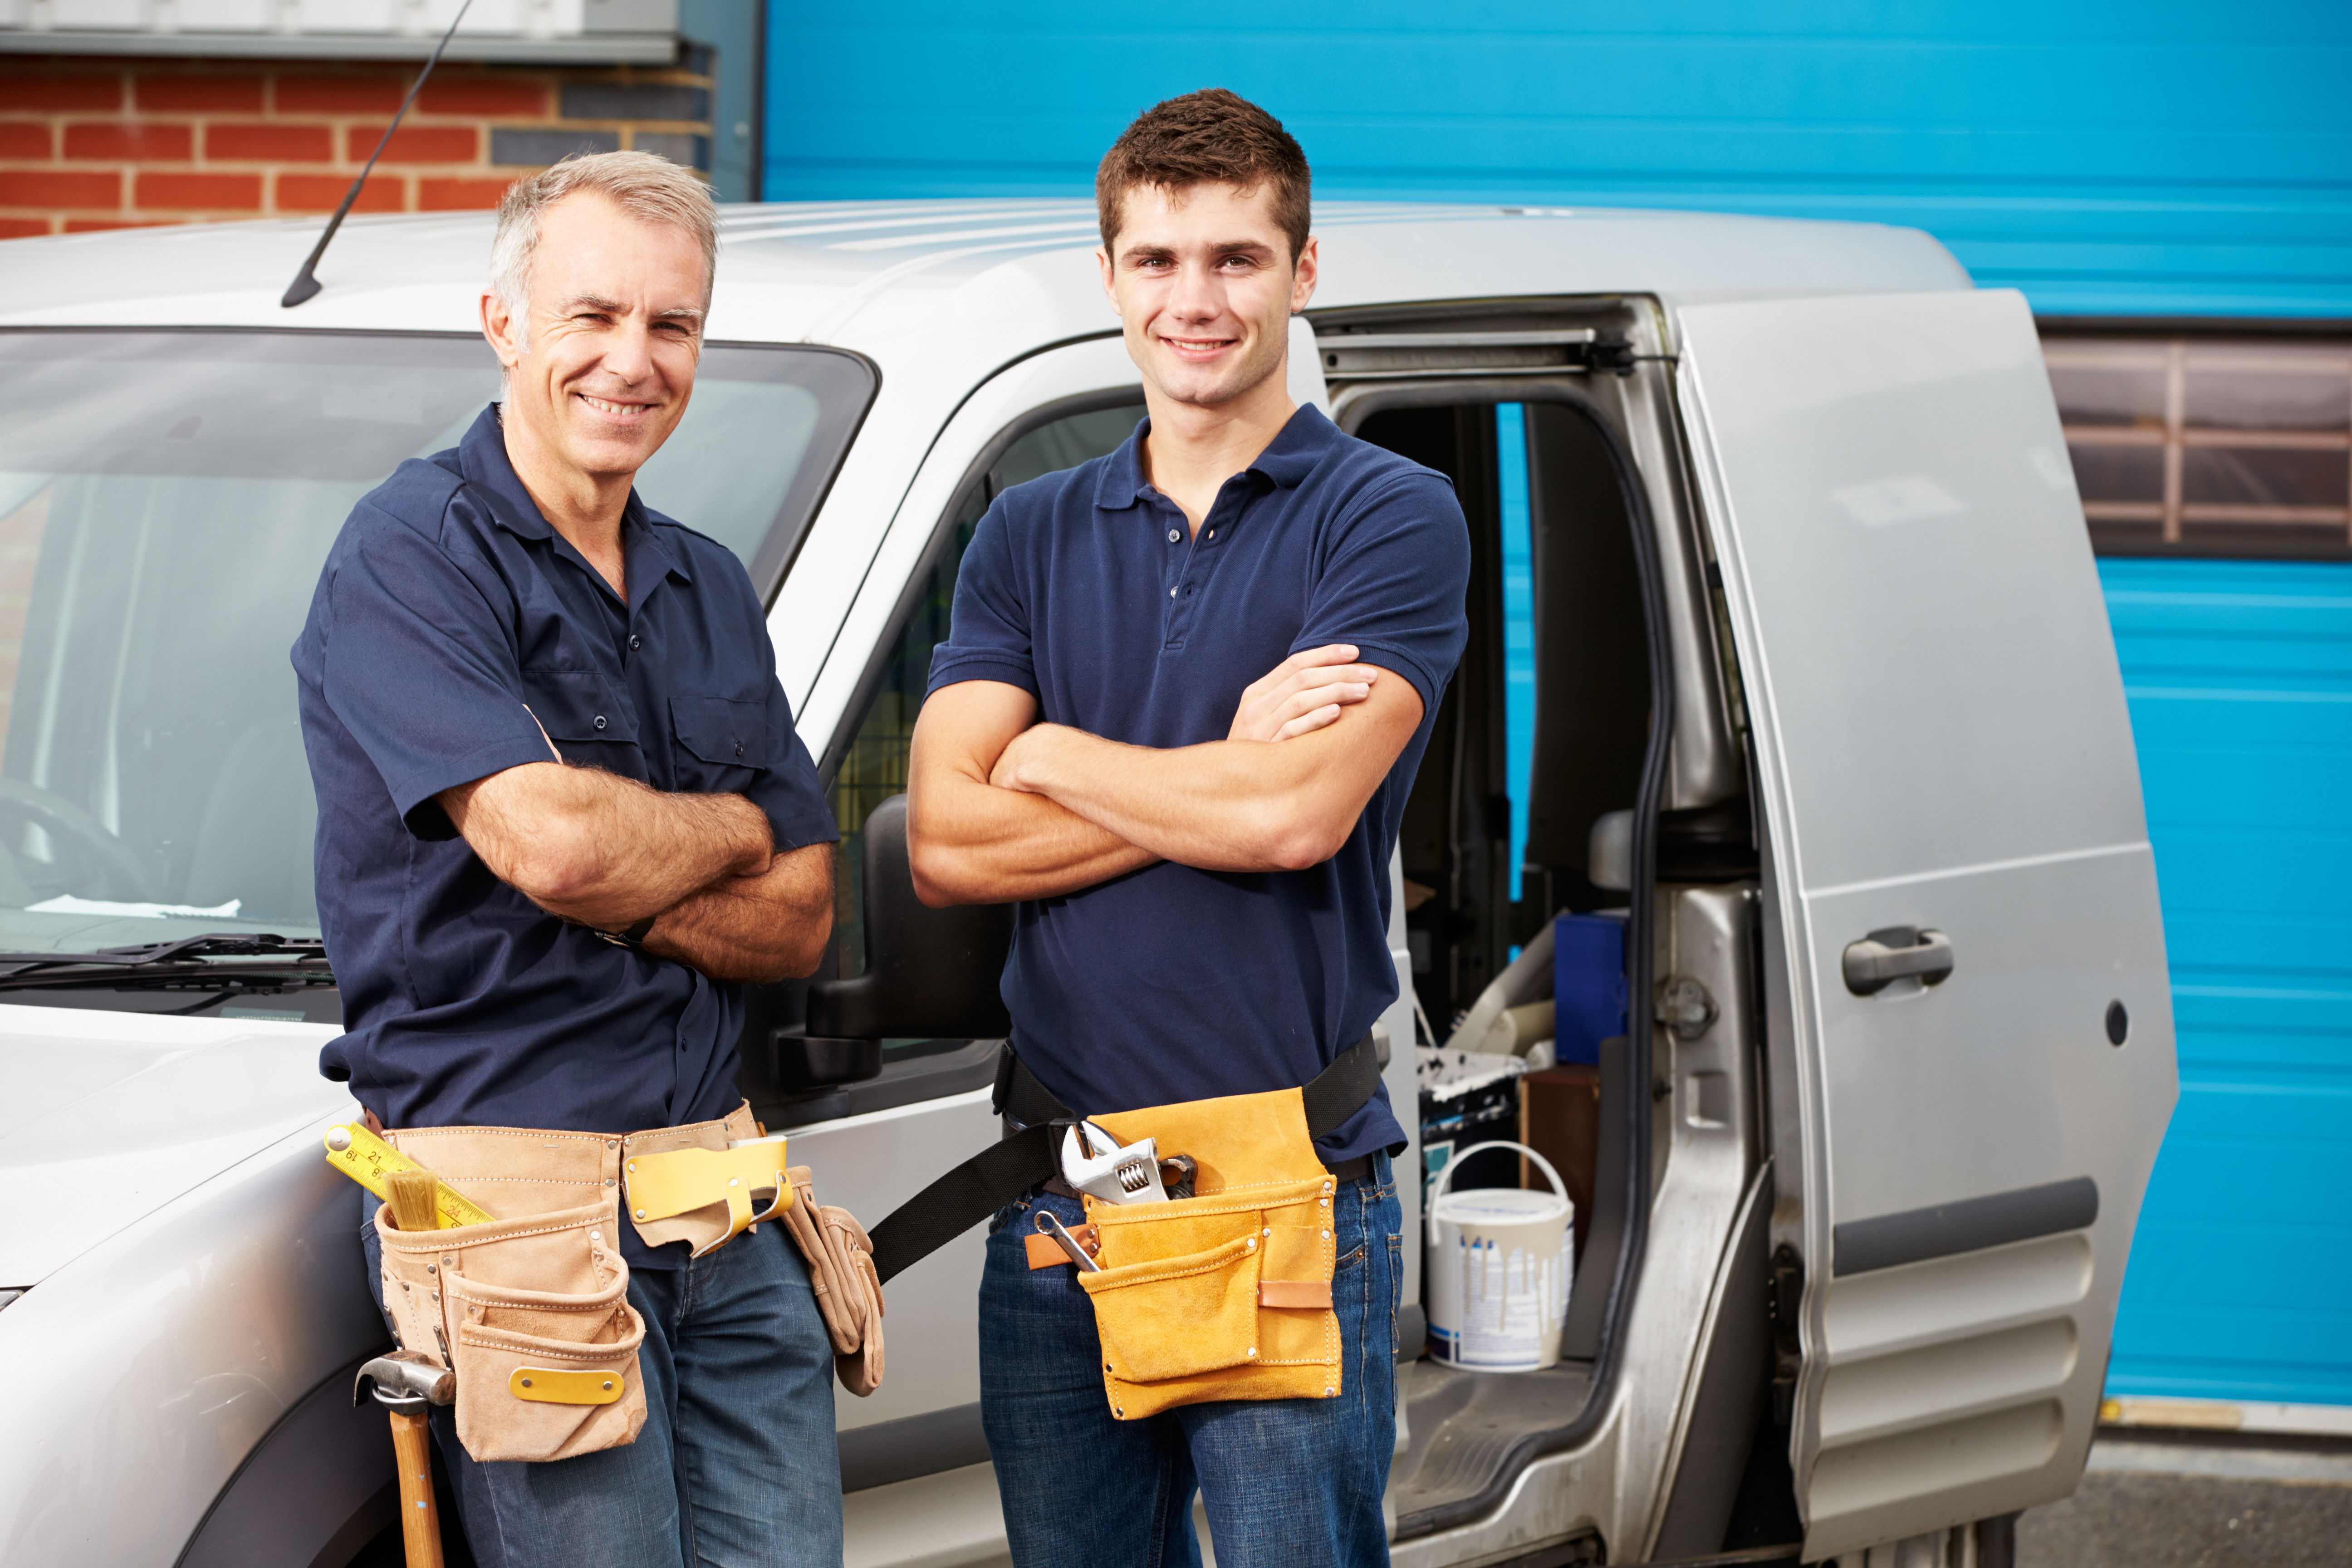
x: 649, y: 188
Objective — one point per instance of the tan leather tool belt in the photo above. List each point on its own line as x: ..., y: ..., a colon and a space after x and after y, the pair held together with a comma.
x: 531, y: 1310
x: 1225, y: 1294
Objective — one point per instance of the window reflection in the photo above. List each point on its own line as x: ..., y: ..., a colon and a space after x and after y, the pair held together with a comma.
x: 2208, y: 446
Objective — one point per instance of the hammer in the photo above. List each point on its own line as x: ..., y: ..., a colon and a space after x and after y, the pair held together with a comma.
x: 406, y: 1383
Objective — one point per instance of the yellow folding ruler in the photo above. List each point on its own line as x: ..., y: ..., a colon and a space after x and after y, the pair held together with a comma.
x: 368, y: 1160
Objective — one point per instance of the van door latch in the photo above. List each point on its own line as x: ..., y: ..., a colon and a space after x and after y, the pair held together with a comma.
x: 1897, y: 952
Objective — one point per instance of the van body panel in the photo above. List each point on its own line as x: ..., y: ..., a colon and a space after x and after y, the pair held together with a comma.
x: 174, y: 1348
x: 1940, y: 742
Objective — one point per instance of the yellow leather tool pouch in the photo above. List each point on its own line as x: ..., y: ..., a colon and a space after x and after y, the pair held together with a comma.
x: 691, y: 1198
x: 720, y: 1192
x: 1226, y: 1294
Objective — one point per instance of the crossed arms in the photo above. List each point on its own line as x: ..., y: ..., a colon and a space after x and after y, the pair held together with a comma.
x: 1001, y: 807
x: 607, y: 852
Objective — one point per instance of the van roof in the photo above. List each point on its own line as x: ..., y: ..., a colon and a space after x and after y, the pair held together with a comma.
x: 879, y: 276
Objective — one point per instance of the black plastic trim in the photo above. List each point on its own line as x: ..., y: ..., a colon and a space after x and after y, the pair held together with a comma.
x: 908, y: 1077
x: 912, y: 1446
x: 1971, y: 1225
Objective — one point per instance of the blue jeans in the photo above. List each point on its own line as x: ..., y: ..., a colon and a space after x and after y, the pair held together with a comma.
x: 1286, y: 1482
x: 735, y: 1466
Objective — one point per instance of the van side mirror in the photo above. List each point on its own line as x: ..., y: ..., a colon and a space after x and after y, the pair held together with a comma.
x: 930, y: 975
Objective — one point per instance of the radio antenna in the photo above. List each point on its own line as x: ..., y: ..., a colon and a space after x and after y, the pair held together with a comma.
x: 305, y: 285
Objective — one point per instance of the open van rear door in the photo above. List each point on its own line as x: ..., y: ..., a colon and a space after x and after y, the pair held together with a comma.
x: 1972, y: 1029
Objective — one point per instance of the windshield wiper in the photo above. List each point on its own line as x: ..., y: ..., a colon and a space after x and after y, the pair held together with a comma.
x: 256, y: 960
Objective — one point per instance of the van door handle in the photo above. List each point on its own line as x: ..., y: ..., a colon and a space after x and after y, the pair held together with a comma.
x: 1897, y: 952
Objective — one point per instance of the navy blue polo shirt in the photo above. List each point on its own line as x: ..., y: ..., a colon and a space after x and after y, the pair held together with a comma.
x: 1084, y: 588
x: 450, y: 625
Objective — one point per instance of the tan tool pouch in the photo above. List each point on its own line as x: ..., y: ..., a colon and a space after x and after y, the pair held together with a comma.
x: 841, y: 1272
x: 1226, y: 1294
x: 532, y: 1311
x: 533, y: 1314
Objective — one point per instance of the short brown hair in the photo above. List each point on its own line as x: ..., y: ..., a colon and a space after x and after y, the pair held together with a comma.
x: 1209, y: 137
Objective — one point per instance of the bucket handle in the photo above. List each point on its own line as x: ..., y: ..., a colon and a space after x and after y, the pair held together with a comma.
x: 1437, y: 1189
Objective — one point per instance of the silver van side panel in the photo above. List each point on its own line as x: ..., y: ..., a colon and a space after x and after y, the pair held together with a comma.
x: 1941, y: 744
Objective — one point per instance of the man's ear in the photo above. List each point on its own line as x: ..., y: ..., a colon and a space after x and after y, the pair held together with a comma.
x: 1302, y: 277
x: 1102, y: 259
x: 499, y: 326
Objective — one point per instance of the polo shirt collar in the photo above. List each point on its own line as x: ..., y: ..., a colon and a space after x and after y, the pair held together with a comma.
x: 1288, y: 459
x: 482, y: 456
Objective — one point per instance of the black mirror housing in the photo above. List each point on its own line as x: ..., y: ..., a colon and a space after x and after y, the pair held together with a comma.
x: 929, y: 973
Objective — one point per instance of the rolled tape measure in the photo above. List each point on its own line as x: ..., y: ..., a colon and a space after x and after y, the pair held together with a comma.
x: 368, y: 1160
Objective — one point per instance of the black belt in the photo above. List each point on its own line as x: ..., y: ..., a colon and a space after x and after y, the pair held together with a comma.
x: 1028, y: 1158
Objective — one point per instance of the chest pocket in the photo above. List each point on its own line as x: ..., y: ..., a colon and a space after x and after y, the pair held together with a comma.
x: 716, y: 734
x: 577, y: 708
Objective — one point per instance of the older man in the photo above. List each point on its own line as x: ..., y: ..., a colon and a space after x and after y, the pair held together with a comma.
x: 563, y: 815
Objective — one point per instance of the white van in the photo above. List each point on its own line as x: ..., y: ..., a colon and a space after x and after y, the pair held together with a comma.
x: 1812, y: 601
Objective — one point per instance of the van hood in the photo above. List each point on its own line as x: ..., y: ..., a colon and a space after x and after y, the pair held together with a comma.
x: 106, y: 1117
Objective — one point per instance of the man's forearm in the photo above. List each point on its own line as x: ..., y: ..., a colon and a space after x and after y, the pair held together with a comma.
x: 600, y: 849
x: 773, y: 925
x: 974, y: 844
x: 1225, y: 806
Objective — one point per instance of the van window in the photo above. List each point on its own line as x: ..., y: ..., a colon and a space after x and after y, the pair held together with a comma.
x: 166, y: 501
x: 2206, y: 445
x: 873, y: 762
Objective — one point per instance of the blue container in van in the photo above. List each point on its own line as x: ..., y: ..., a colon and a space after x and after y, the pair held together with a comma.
x: 1588, y: 981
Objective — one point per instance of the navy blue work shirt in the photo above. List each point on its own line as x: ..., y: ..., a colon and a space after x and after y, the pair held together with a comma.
x: 1085, y: 589
x: 451, y: 625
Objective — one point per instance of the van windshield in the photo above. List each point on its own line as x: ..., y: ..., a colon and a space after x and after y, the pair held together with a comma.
x: 166, y: 501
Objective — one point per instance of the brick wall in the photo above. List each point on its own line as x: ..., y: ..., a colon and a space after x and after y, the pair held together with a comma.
x: 108, y: 144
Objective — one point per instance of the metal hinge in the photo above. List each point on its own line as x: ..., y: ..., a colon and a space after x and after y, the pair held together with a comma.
x: 1786, y: 1300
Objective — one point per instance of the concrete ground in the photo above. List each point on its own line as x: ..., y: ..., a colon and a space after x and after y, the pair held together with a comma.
x: 2208, y: 1500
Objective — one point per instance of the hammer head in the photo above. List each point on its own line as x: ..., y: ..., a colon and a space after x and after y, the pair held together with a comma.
x: 405, y: 1381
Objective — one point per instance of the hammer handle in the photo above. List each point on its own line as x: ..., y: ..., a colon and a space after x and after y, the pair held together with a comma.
x: 420, y: 1522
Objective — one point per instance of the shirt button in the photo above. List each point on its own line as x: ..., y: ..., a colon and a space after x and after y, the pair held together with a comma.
x: 600, y: 721
x: 1172, y: 593
x: 633, y: 642
x: 1171, y: 536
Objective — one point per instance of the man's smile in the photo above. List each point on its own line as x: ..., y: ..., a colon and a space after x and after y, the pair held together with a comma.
x: 1198, y: 348
x: 616, y: 410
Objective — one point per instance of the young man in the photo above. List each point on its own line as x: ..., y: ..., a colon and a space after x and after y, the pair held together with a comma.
x: 544, y: 878
x: 1204, y: 911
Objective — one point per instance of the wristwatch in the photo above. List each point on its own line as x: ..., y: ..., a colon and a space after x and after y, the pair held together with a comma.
x: 633, y: 937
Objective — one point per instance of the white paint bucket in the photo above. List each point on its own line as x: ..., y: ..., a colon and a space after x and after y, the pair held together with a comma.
x: 1498, y: 1270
